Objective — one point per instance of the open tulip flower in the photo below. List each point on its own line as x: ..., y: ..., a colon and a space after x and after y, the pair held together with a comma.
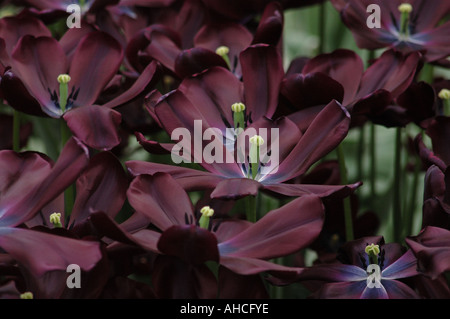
x: 406, y: 26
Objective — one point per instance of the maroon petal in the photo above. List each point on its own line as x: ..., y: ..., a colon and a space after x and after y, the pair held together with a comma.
x: 252, y: 266
x: 270, y: 27
x: 96, y: 126
x: 154, y: 147
x: 262, y: 72
x: 235, y: 286
x: 174, y: 279
x: 153, y: 196
x: 13, y: 28
x: 326, y: 131
x: 280, y: 232
x: 323, y: 191
x: 18, y: 97
x: 432, y: 249
x: 142, y: 83
x: 439, y: 132
x: 26, y: 196
x: 392, y: 71
x: 102, y: 187
x: 338, y: 65
x: 164, y: 46
x: 46, y: 252
x: 232, y: 35
x: 235, y: 188
x: 196, y: 60
x: 190, y: 179
x: 192, y: 244
x: 212, y: 93
x: 38, y: 62
x: 94, y: 63
x: 304, y: 91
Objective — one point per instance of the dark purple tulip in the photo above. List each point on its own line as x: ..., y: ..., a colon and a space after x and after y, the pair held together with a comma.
x: 348, y: 277
x: 366, y: 94
x: 432, y: 249
x: 209, y: 96
x: 32, y: 82
x: 422, y: 31
x: 30, y: 181
x: 240, y: 246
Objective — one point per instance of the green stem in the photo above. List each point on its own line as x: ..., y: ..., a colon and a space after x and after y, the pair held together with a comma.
x: 361, y: 143
x: 250, y: 204
x: 373, y: 161
x: 16, y: 131
x: 397, y: 198
x: 346, y: 201
x: 69, y: 193
x: 322, y: 11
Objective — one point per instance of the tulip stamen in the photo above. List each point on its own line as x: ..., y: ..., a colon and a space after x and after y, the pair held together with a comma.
x: 55, y: 219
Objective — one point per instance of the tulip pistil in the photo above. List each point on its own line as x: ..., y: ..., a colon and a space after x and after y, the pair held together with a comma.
x: 255, y: 142
x: 372, y: 251
x: 223, y: 52
x: 444, y: 95
x: 405, y: 10
x: 63, y: 80
x: 207, y: 212
x: 238, y: 116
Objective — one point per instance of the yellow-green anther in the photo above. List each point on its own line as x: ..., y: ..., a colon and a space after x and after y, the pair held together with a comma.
x: 207, y: 212
x: 55, y: 219
x: 238, y: 115
x: 26, y: 295
x: 405, y: 10
x: 372, y: 251
x: 223, y: 52
x: 444, y: 95
x: 63, y: 80
x: 255, y: 142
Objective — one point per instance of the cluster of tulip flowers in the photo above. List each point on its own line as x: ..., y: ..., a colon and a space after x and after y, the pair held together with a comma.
x: 88, y: 178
